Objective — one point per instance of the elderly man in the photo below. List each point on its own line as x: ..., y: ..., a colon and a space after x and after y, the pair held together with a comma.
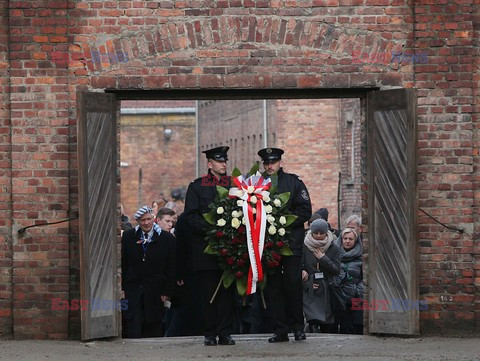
x: 218, y: 314
x: 284, y: 287
x: 148, y: 275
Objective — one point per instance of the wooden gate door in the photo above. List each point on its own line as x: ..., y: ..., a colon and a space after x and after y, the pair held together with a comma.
x: 97, y: 172
x: 392, y: 208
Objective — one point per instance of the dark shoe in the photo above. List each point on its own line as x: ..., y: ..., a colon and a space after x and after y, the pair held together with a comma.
x: 226, y: 340
x: 299, y: 335
x: 210, y: 341
x: 278, y: 338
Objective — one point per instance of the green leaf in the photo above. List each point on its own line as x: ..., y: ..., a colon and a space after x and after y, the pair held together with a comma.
x: 228, y: 278
x: 254, y: 168
x: 241, y: 286
x: 290, y: 219
x: 222, y: 192
x: 236, y: 172
x: 210, y: 218
x: 210, y: 250
x: 284, y: 197
x: 285, y: 251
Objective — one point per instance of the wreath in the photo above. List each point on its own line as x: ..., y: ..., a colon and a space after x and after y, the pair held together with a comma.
x: 248, y: 230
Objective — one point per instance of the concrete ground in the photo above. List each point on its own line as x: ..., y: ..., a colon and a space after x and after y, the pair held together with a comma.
x: 250, y: 347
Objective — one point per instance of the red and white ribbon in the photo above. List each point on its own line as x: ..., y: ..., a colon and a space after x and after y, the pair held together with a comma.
x: 256, y: 186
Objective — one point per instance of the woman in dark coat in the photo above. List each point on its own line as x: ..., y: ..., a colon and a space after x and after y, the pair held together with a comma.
x: 321, y: 263
x: 351, y: 278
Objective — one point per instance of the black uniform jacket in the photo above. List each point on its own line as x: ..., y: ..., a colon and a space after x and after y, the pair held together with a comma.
x: 155, y: 276
x: 299, y: 205
x: 200, y: 193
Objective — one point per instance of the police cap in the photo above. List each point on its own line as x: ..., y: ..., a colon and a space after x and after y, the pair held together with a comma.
x: 270, y: 155
x: 219, y: 153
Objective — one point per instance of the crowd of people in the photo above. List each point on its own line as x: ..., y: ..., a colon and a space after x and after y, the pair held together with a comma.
x: 169, y: 281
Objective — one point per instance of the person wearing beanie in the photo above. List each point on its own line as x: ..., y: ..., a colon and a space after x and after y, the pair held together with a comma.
x: 323, y: 213
x: 321, y: 264
x: 148, y: 275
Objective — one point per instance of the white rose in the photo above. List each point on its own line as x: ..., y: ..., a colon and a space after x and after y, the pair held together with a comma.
x: 235, y: 214
x: 253, y: 199
x: 272, y: 230
x: 240, y: 213
x: 268, y: 208
x: 250, y: 189
x: 244, y: 222
x: 271, y: 219
x: 282, y: 220
x: 221, y: 222
x: 266, y: 199
x: 235, y: 223
x: 281, y: 231
x: 277, y: 202
x: 220, y: 210
x: 240, y: 202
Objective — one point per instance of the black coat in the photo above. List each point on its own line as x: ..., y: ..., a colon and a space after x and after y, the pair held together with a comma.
x: 299, y: 204
x: 200, y: 193
x: 154, y: 277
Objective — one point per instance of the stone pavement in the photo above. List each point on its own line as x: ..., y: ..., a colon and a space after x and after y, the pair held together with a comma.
x: 250, y: 347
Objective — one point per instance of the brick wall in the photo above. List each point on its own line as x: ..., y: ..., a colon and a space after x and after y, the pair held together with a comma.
x: 235, y: 123
x: 229, y: 45
x: 164, y: 164
x: 351, y: 158
x: 308, y: 131
x: 6, y: 258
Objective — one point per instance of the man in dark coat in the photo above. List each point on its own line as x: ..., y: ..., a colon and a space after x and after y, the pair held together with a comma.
x: 218, y: 314
x: 284, y: 287
x: 148, y: 275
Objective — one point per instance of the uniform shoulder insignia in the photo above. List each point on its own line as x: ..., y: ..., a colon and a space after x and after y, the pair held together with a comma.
x: 304, y: 194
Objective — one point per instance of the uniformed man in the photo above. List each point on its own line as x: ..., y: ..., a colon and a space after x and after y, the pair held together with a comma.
x: 284, y: 287
x: 218, y: 315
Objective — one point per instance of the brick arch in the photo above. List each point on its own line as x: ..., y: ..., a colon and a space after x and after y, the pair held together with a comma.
x: 219, y: 52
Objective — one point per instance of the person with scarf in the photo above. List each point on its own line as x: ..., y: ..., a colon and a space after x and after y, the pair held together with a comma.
x: 148, y: 275
x: 351, y: 280
x: 321, y: 264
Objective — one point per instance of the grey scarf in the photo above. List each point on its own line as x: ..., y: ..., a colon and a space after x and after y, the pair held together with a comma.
x: 313, y: 244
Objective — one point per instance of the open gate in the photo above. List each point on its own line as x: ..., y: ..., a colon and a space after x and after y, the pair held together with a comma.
x: 392, y: 208
x: 97, y: 173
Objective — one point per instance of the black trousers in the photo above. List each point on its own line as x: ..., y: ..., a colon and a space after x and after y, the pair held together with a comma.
x: 218, y: 315
x: 285, y: 297
x: 137, y: 326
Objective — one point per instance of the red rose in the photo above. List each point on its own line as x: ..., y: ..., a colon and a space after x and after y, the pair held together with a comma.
x: 224, y: 251
x: 230, y: 261
x: 235, y: 240
x: 245, y: 255
x: 239, y: 274
x: 280, y: 244
x: 269, y: 245
x: 276, y: 256
x: 241, y: 229
x: 271, y: 264
x: 219, y: 234
x: 240, y: 262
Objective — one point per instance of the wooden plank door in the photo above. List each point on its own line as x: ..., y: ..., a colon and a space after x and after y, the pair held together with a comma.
x: 392, y: 209
x: 97, y: 172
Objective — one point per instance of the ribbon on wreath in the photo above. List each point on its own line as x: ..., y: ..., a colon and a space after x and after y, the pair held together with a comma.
x: 253, y: 190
